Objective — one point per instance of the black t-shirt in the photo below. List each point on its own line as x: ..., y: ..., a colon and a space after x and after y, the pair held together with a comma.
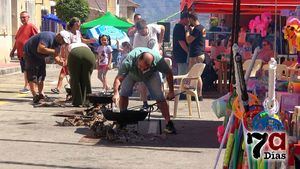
x: 197, y: 46
x: 179, y: 54
x: 33, y: 57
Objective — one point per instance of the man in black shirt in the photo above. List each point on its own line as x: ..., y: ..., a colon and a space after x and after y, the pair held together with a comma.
x: 180, y: 48
x: 195, y: 37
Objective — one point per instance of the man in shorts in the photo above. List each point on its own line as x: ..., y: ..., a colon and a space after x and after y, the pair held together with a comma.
x: 150, y: 36
x: 180, y: 47
x: 23, y: 34
x: 143, y: 65
x: 36, y: 49
x: 195, y: 37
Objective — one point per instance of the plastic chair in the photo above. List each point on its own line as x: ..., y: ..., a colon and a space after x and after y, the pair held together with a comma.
x: 281, y: 71
x: 188, y: 85
x: 256, y: 67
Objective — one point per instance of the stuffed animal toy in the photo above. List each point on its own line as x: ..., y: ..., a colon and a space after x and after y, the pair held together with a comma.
x: 292, y: 33
x: 252, y: 26
x: 266, y: 19
x: 260, y: 23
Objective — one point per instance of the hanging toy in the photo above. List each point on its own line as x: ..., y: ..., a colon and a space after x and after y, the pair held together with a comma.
x: 238, y: 112
x: 292, y: 35
x: 263, y: 122
x: 260, y: 23
x: 270, y: 103
x: 249, y: 116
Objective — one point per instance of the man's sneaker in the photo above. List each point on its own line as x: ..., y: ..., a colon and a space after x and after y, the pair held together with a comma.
x: 200, y: 98
x: 55, y: 91
x: 24, y: 91
x: 36, y: 99
x: 44, y: 97
x: 170, y: 129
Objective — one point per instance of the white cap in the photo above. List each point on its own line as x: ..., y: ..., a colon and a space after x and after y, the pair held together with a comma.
x: 66, y: 36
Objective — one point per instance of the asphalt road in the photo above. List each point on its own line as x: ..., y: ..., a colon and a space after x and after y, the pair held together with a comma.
x: 30, y: 138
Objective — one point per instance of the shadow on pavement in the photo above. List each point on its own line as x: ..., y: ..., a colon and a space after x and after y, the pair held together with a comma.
x: 41, y: 165
x: 6, y: 91
x: 190, y: 134
x: 84, y: 131
x: 212, y: 94
x: 14, y: 100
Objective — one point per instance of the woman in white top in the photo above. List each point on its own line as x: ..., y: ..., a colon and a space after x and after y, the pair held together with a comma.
x: 76, y: 37
x: 74, y: 27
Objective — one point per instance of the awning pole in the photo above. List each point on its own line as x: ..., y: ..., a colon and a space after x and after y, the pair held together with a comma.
x: 275, y: 32
x: 231, y: 69
x: 280, y: 37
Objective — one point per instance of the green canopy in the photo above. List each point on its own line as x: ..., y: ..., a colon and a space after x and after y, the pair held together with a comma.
x: 109, y: 20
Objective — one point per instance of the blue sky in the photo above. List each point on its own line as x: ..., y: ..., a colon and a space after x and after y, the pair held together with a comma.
x: 155, y: 10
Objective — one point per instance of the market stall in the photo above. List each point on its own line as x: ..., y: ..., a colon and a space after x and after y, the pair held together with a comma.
x: 107, y: 19
x: 250, y: 122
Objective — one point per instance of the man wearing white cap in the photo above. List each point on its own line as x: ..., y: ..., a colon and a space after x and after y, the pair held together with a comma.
x: 36, y: 49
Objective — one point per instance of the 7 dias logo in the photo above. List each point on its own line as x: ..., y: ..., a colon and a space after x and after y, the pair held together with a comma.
x: 272, y: 146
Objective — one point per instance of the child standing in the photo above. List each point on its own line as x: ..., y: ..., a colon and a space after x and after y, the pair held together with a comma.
x: 64, y: 70
x: 104, y: 59
x: 124, y: 50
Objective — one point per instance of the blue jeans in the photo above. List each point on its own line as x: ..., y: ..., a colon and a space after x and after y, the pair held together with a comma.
x: 153, y: 84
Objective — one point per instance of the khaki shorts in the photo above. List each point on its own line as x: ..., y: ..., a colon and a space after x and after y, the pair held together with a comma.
x: 197, y: 59
x: 201, y: 58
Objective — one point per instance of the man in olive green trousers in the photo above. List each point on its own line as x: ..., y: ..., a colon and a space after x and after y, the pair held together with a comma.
x: 81, y: 61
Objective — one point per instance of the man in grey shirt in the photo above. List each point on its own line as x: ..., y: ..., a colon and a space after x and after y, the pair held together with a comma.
x: 143, y: 65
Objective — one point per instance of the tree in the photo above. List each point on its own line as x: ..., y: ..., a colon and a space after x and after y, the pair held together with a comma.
x: 66, y: 9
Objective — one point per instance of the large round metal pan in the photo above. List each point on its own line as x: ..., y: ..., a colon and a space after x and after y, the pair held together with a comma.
x: 100, y: 98
x: 125, y: 117
x: 68, y: 90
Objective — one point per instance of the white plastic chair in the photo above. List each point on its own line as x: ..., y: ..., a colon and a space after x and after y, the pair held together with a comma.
x: 281, y: 71
x: 257, y: 66
x: 188, y: 85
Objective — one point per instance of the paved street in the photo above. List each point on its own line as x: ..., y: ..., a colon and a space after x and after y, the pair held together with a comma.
x: 30, y: 138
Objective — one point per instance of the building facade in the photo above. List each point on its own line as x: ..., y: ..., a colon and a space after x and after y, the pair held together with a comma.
x: 10, y: 22
x: 127, y: 9
x: 120, y: 8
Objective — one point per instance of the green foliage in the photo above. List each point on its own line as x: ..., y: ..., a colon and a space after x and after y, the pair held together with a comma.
x: 66, y: 9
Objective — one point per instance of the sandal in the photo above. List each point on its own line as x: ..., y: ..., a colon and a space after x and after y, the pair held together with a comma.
x: 55, y: 91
